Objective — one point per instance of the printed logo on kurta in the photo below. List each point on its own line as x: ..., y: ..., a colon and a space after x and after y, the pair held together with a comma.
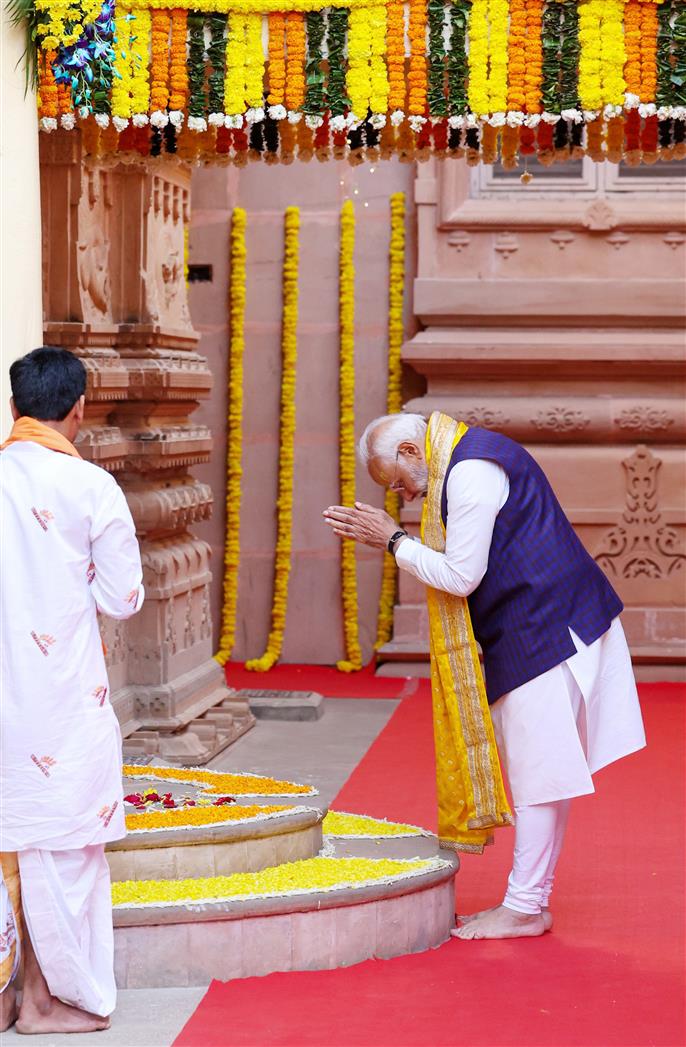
x: 90, y: 573
x: 43, y: 642
x: 100, y: 693
x: 44, y: 763
x: 105, y: 813
x: 43, y: 516
x: 132, y: 597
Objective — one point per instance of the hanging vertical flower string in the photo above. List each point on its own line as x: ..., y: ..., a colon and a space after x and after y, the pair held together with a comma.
x: 457, y: 58
x: 395, y: 59
x: 178, y: 75
x: 289, y: 348
x: 234, y: 435
x: 437, y: 98
x: 416, y: 76
x: 315, y: 78
x: 216, y: 57
x: 196, y: 73
x: 295, y: 61
x: 396, y: 297
x: 353, y: 652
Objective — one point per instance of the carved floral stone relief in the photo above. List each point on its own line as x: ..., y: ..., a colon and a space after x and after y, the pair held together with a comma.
x: 642, y: 543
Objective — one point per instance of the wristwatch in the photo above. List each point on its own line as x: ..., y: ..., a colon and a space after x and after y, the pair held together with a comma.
x: 395, y: 537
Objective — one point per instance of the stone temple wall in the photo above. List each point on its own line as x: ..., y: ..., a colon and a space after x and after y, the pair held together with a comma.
x: 115, y: 294
x: 554, y: 312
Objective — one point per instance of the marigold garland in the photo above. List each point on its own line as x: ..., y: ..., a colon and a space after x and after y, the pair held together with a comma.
x: 362, y: 827
x: 196, y: 817
x: 307, y: 876
x: 358, y: 80
x: 416, y: 75
x: 234, y: 435
x: 218, y: 782
x: 160, y: 26
x: 295, y: 48
x: 284, y: 504
x: 178, y: 76
x: 396, y: 302
x: 353, y: 652
x: 562, y: 63
x: 395, y: 55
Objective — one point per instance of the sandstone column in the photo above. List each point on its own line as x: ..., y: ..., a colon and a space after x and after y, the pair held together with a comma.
x: 115, y: 294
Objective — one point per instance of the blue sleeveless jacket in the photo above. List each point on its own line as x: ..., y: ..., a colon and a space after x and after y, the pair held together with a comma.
x: 540, y: 581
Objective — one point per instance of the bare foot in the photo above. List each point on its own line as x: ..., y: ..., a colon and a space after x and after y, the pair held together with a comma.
x: 57, y: 1017
x: 8, y: 1007
x: 545, y: 913
x: 502, y: 923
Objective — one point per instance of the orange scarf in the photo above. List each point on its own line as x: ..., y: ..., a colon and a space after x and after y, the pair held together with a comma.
x: 26, y: 428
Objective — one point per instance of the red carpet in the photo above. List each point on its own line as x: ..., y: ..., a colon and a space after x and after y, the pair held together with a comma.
x: 325, y: 679
x: 610, y: 974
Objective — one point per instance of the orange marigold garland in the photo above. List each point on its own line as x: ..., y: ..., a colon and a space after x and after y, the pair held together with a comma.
x: 295, y: 63
x: 159, y: 62
x: 178, y: 73
x: 416, y: 77
x: 533, y: 76
x: 277, y: 65
x: 48, y: 99
x: 395, y: 57
x: 516, y: 70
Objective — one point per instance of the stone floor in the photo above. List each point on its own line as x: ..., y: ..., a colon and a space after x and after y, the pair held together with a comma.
x: 322, y: 753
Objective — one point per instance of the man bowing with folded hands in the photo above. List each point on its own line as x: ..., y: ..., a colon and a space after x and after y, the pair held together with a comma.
x: 503, y: 566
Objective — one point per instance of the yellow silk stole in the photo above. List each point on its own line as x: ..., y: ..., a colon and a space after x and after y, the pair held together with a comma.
x: 471, y: 795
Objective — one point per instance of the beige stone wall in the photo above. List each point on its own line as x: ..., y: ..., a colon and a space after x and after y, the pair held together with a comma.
x: 314, y: 628
x: 555, y: 314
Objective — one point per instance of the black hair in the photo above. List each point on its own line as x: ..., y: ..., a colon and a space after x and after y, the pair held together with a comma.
x: 46, y: 383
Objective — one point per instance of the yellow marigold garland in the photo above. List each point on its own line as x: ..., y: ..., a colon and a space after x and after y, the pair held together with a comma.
x: 341, y: 824
x: 236, y: 57
x: 602, y: 58
x: 613, y: 54
x: 396, y: 298
x: 120, y: 98
x: 378, y: 73
x: 218, y: 783
x: 353, y: 652
x: 289, y: 351
x: 310, y: 875
x: 139, y: 42
x: 254, y: 61
x: 234, y: 435
x: 357, y: 80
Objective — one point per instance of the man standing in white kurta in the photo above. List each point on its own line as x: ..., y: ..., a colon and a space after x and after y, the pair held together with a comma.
x: 560, y: 685
x: 69, y: 551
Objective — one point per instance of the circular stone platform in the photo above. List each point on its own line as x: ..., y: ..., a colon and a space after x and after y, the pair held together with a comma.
x: 190, y: 944
x: 217, y: 850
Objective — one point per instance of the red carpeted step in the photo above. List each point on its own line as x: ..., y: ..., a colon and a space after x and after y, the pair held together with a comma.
x: 610, y: 974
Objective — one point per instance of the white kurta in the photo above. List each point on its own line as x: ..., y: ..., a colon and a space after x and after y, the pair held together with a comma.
x: 68, y: 550
x: 549, y: 742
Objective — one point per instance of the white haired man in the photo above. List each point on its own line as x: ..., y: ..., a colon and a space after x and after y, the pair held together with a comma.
x: 560, y: 687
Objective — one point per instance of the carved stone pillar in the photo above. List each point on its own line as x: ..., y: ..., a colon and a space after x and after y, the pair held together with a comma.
x: 115, y: 294
x: 555, y: 314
